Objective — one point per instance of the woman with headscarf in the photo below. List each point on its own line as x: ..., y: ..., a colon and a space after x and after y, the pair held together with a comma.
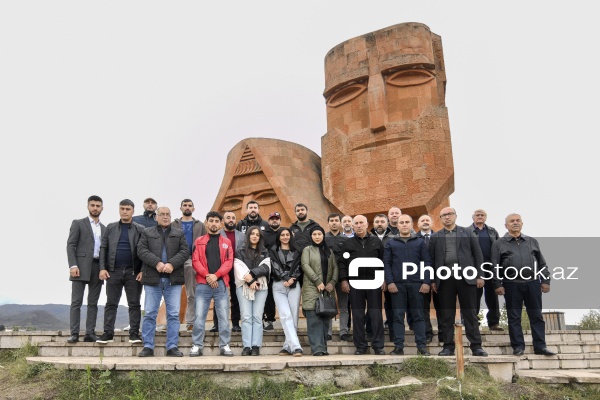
x: 320, y: 274
x: 252, y: 268
x: 285, y: 271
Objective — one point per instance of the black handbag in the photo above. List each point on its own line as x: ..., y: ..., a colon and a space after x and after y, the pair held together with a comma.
x: 326, y: 306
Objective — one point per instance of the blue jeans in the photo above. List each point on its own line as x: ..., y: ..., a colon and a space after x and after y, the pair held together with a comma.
x: 251, y: 313
x: 287, y: 301
x: 172, y: 295
x: 204, y: 294
x: 408, y: 299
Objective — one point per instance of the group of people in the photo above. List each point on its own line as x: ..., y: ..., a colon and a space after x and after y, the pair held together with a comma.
x: 242, y: 264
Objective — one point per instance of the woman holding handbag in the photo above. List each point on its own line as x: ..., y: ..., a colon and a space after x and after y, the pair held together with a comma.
x: 320, y: 276
x: 251, y: 269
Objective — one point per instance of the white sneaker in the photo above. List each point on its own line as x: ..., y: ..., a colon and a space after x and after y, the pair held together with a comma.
x: 196, y: 351
x: 126, y: 328
x: 226, y: 351
x: 161, y: 328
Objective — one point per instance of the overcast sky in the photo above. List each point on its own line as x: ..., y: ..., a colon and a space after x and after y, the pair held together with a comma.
x: 138, y: 99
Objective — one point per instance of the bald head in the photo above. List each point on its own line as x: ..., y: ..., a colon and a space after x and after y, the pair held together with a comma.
x: 360, y: 225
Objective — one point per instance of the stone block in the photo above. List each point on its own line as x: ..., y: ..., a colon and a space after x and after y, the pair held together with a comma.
x: 91, y: 351
x: 120, y: 351
x: 46, y: 351
x: 13, y: 341
x: 574, y: 364
x: 545, y: 363
x: 569, y: 349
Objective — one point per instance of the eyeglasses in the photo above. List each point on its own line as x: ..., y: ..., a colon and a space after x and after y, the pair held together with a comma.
x: 164, y: 214
x: 447, y: 215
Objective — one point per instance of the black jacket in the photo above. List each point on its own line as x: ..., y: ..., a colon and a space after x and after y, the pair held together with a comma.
x: 269, y: 236
x: 150, y: 252
x: 387, y: 235
x: 110, y: 241
x: 369, y: 246
x: 334, y: 242
x: 284, y: 268
x: 302, y: 237
x: 256, y: 269
x: 247, y: 222
x: 147, y: 219
x: 508, y: 252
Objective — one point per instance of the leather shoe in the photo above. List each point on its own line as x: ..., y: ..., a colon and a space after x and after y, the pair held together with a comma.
x: 518, y: 352
x: 480, y: 352
x: 346, y: 338
x: 90, y: 337
x: 255, y: 351
x: 544, y: 352
x: 73, y: 339
x: 398, y: 351
x: 146, y: 352
x: 446, y: 353
x: 497, y: 328
x: 423, y: 351
x: 247, y: 351
x: 379, y: 351
x: 174, y: 352
x: 361, y: 352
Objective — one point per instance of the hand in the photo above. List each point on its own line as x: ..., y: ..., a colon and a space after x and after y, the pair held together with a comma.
x: 345, y: 287
x: 74, y: 272
x: 329, y: 287
x: 321, y: 287
x: 254, y: 285
x: 545, y: 288
x: 392, y: 288
x: 480, y: 283
x: 168, y: 268
x: 212, y: 278
x: 139, y: 277
x: 214, y: 285
x: 433, y: 287
x: 424, y: 288
x: 500, y: 291
x: 383, y: 287
x: 248, y: 277
x: 291, y: 281
x: 104, y: 275
x: 160, y: 267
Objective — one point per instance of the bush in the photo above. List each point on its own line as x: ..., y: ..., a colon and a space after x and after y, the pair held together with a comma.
x: 590, y: 321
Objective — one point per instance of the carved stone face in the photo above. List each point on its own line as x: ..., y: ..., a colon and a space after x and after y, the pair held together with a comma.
x: 388, y: 137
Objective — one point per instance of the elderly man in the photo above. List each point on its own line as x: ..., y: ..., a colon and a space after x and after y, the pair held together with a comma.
x: 522, y: 253
x: 163, y: 251
x: 456, y: 248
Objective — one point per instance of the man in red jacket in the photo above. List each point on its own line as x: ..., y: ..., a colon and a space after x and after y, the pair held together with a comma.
x: 212, y: 259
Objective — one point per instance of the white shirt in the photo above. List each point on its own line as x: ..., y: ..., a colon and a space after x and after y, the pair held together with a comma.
x: 97, y: 236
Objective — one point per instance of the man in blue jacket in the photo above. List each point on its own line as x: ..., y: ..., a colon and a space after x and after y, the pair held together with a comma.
x: 405, y: 283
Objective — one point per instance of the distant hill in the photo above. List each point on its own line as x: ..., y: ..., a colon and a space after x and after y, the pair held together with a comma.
x: 53, y: 316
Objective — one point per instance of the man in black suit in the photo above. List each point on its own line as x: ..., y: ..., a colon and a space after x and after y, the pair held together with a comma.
x: 83, y: 254
x: 457, y: 249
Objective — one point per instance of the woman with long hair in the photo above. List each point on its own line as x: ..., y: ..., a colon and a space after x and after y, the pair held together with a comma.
x: 285, y: 271
x: 320, y: 275
x: 251, y: 270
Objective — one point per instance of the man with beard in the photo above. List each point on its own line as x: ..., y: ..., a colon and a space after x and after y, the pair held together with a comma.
x: 148, y: 218
x: 363, y: 244
x: 193, y: 229
x: 83, y: 254
x: 384, y: 233
x: 301, y: 228
x: 252, y: 219
x: 347, y: 230
x: 237, y: 240
x: 269, y: 234
x: 393, y: 216
x: 212, y: 260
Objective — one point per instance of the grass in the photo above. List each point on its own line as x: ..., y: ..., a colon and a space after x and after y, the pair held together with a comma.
x: 19, y: 380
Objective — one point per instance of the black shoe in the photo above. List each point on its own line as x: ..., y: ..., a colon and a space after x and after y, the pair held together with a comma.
x: 247, y: 351
x: 319, y: 354
x: 135, y: 338
x: 284, y: 352
x: 105, y: 338
x: 268, y: 326
x: 236, y: 328
x: 146, y: 352
x: 379, y: 351
x: 215, y: 328
x: 544, y: 352
x: 255, y: 351
x: 398, y: 351
x: 73, y: 339
x: 446, y: 353
x: 479, y: 352
x: 429, y: 339
x: 90, y: 338
x: 174, y: 352
x: 346, y: 338
x: 423, y: 351
x: 497, y: 328
x: 518, y: 352
x: 297, y: 353
x: 329, y: 337
x: 361, y: 352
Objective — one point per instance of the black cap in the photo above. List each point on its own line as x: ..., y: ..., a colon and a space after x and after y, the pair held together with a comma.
x: 275, y: 215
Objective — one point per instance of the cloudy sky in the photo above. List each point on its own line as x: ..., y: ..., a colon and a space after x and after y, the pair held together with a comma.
x: 137, y: 99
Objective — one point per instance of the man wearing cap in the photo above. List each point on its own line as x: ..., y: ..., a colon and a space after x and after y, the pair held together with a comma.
x: 270, y: 233
x: 148, y: 218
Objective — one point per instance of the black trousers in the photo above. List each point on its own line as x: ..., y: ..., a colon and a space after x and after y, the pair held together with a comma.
x: 269, y: 313
x: 77, y: 290
x: 467, y: 298
x: 427, y: 297
x: 122, y: 278
x: 371, y: 299
x: 530, y: 294
x: 491, y: 301
x: 235, y: 305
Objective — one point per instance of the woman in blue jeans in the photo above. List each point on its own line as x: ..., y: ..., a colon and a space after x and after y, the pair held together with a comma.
x: 251, y: 270
x: 320, y: 275
x: 285, y: 271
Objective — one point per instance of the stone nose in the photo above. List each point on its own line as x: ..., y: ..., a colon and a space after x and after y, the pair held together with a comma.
x: 378, y: 115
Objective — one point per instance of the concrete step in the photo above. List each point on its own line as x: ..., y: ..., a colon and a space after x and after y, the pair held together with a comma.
x: 560, y: 376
